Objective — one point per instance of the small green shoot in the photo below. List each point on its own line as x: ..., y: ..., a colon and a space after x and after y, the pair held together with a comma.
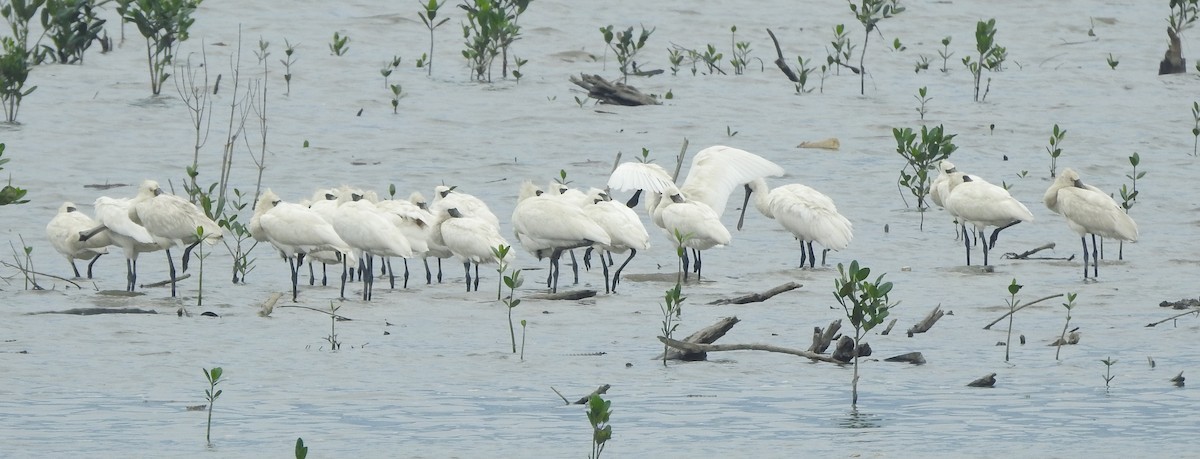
x: 1196, y: 129
x: 429, y: 17
x: 340, y: 44
x: 991, y: 55
x: 922, y: 100
x: 869, y: 13
x: 301, y: 450
x: 214, y: 377
x: 397, y: 94
x: 1112, y: 62
x: 1062, y: 338
x: 523, y: 328
x: 920, y: 156
x: 1055, y: 148
x: 671, y: 309
x: 866, y: 305
x: 334, y: 344
x: 289, y: 52
x: 598, y: 413
x: 945, y: 53
x: 1012, y: 301
x: 1108, y: 376
x: 388, y: 68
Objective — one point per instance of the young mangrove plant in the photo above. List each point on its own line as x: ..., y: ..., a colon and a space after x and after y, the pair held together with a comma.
x: 626, y: 46
x: 740, y: 52
x: 842, y: 50
x: 71, y: 26
x: 1012, y: 301
x: 14, y: 70
x: 10, y: 194
x: 598, y: 413
x: 671, y: 310
x: 675, y: 57
x: 1062, y: 338
x: 1108, y: 376
x: 289, y: 50
x: 802, y: 72
x: 332, y: 339
x: 214, y: 377
x: 866, y: 305
x: 388, y: 68
x: 921, y: 156
x: 164, y: 24
x: 922, y: 101
x: 1055, y: 149
x: 396, y: 96
x: 1129, y: 194
x: 945, y: 53
x: 523, y: 328
x: 512, y: 281
x: 340, y: 44
x: 991, y: 56
x: 1112, y: 61
x: 301, y: 450
x: 922, y: 64
x: 429, y: 17
x: 869, y: 13
x: 490, y: 29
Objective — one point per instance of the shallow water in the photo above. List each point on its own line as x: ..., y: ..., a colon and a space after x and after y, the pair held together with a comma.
x: 427, y: 372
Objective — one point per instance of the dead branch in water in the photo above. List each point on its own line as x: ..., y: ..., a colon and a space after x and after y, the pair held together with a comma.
x: 336, y: 316
x: 1176, y: 316
x: 1173, y: 61
x: 706, y: 335
x: 568, y: 295
x: 265, y: 309
x: 759, y: 297
x: 165, y: 282
x: 1026, y: 305
x: 10, y: 265
x: 986, y: 381
x: 823, y: 338
x: 1025, y: 255
x: 95, y: 311
x: 780, y: 62
x: 612, y: 92
x: 925, y: 324
x: 583, y: 401
x: 888, y: 330
x: 694, y: 347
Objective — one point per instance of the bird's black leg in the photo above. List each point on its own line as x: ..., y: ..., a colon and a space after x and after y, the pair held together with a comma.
x: 1095, y: 258
x: 391, y: 275
x: 130, y: 277
x: 812, y: 257
x: 617, y: 276
x: 171, y: 264
x: 574, y: 267
x: 405, y: 272
x: 187, y: 253
x: 467, y: 268
x: 476, y: 277
x: 967, y: 243
x: 93, y: 262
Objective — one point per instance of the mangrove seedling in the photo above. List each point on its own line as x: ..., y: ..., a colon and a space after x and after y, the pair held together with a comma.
x: 1055, y: 150
x: 396, y: 96
x: 1196, y: 129
x: 626, y: 46
x: 802, y: 72
x: 1108, y: 376
x: 164, y: 24
x: 922, y: 100
x: 1062, y: 338
x: 429, y: 17
x: 214, y: 377
x: 741, y: 52
x: 71, y: 26
x: 10, y: 194
x: 675, y: 57
x: 340, y: 44
x: 301, y: 450
x: 869, y: 13
x: 866, y: 305
x: 991, y: 56
x: 1012, y: 301
x: 1112, y: 62
x: 598, y: 413
x: 922, y: 64
x: 945, y: 53
x: 512, y: 281
x: 288, y: 51
x: 388, y: 68
x: 671, y: 309
x: 14, y: 70
x: 334, y: 344
x: 712, y: 59
x: 1129, y: 194
x: 920, y: 157
x: 523, y: 328
x: 842, y: 50
x: 517, y: 64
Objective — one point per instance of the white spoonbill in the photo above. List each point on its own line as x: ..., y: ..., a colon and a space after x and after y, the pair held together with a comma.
x: 624, y: 228
x: 807, y: 213
x: 324, y: 203
x: 715, y: 173
x: 113, y: 216
x: 63, y: 232
x: 940, y: 188
x: 366, y: 229
x: 295, y: 231
x: 446, y: 197
x: 471, y: 239
x: 414, y: 223
x: 437, y: 248
x: 1089, y: 211
x: 546, y: 226
x: 983, y: 204
x: 174, y: 219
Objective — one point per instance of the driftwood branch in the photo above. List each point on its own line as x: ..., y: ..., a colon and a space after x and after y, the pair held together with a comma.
x: 568, y: 295
x: 679, y: 160
x: 759, y: 297
x: 1039, y: 300
x: 165, y: 282
x: 1173, y: 61
x: 612, y: 92
x: 823, y: 338
x: 986, y: 381
x: 888, y: 330
x: 1025, y: 255
x: 846, y: 350
x: 95, y: 311
x: 265, y: 309
x: 335, y: 315
x: 925, y: 324
x: 1176, y: 316
x: 24, y: 270
x: 695, y: 347
x: 780, y: 62
x: 706, y: 335
x: 599, y: 391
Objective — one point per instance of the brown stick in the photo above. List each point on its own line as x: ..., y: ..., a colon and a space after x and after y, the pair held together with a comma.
x: 679, y: 159
x: 612, y: 92
x: 165, y: 282
x: 1025, y: 255
x: 568, y: 295
x: 925, y: 324
x: 889, y: 327
x: 694, y: 347
x: 599, y: 390
x: 1176, y: 316
x: 1039, y: 300
x: 336, y: 316
x: 268, y: 306
x: 759, y: 297
x: 823, y: 338
x: 10, y: 265
x: 706, y: 335
x: 780, y: 62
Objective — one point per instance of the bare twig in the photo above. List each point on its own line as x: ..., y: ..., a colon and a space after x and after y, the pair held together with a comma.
x: 695, y: 347
x: 925, y: 324
x: 1176, y: 316
x: 10, y: 265
x: 560, y: 395
x: 1039, y: 300
x: 759, y: 297
x: 336, y: 316
x: 780, y: 62
x: 165, y: 282
x: 599, y: 391
x: 1025, y: 255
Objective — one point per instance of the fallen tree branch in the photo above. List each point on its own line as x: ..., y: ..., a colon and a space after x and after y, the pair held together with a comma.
x: 1039, y: 300
x: 1176, y: 316
x: 888, y: 330
x: 568, y: 295
x: 694, y: 347
x: 780, y: 62
x: 336, y: 316
x: 706, y: 335
x: 165, y: 282
x: 823, y: 338
x: 925, y: 324
x: 10, y: 265
x: 612, y: 92
x: 1025, y: 255
x: 759, y: 297
x: 599, y: 391
x: 265, y: 309
x: 95, y: 311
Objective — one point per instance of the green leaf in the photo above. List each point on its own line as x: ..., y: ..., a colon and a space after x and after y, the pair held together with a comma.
x: 301, y: 450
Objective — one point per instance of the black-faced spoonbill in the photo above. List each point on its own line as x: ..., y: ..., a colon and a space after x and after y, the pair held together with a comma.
x: 1089, y: 211
x: 294, y: 230
x: 113, y: 215
x: 807, y: 213
x: 367, y: 230
x: 471, y: 239
x: 63, y: 233
x: 547, y: 225
x: 625, y: 231
x: 983, y: 204
x: 172, y: 218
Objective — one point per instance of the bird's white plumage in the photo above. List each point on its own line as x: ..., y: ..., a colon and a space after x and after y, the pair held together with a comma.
x: 982, y: 203
x: 171, y: 217
x: 63, y: 233
x: 544, y: 223
x: 365, y: 229
x: 1087, y: 209
x: 698, y: 223
x: 635, y: 175
x: 940, y: 187
x: 805, y: 212
x: 447, y: 198
x: 718, y: 170
x: 471, y: 239
x: 625, y: 230
x: 292, y: 228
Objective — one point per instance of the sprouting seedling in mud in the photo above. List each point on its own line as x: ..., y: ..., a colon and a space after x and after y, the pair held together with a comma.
x: 934, y: 146
x: 802, y: 72
x: 397, y: 94
x: 675, y: 57
x: 1108, y: 376
x: 866, y: 305
x: 1112, y: 61
x: 626, y: 46
x: 1062, y: 338
x: 10, y: 194
x: 524, y: 325
x: 869, y: 13
x: 991, y: 55
x: 289, y: 58
x: 429, y: 17
x: 1196, y: 129
x: 671, y: 310
x: 214, y: 377
x: 945, y: 53
x: 1129, y: 194
x: 164, y: 24
x: 1012, y: 301
x: 598, y: 414
x: 388, y: 68
x: 842, y: 50
x: 922, y: 64
x: 1055, y: 148
x: 340, y: 44
x: 332, y: 339
x: 922, y: 100
x: 740, y: 53
x: 518, y: 63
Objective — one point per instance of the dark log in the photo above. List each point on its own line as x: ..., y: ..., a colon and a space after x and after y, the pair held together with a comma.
x: 846, y: 349
x: 1173, y: 61
x: 925, y: 324
x: 612, y: 92
x: 1176, y: 316
x: 986, y: 381
x: 759, y: 297
x: 706, y: 335
x: 95, y: 311
x: 701, y: 348
x: 823, y: 338
x: 780, y: 62
x: 568, y: 295
x: 599, y: 391
x: 888, y: 330
x: 915, y: 358
x: 1025, y: 255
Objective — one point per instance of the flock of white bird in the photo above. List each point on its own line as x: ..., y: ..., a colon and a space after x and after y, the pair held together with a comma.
x: 353, y: 227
